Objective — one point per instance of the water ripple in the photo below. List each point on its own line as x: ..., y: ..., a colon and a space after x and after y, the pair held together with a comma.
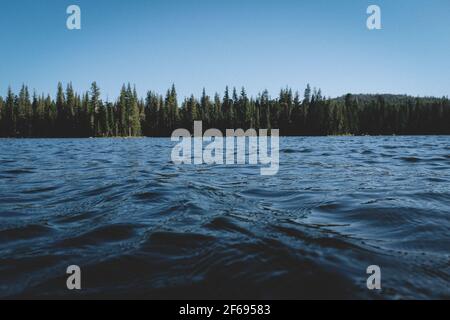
x: 141, y: 227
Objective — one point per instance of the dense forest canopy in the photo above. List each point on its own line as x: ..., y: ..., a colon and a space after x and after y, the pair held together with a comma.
x: 85, y: 115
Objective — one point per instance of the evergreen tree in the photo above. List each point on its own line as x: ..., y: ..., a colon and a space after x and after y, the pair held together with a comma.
x: 24, y: 113
x: 69, y: 112
x: 84, y: 115
x: 94, y: 110
x: 227, y: 110
x: 134, y: 113
x: 60, y: 111
x: 172, y: 108
x: 9, y: 115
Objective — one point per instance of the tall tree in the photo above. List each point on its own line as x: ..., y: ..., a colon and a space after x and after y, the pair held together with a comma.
x: 94, y: 109
x: 24, y: 113
x: 83, y: 115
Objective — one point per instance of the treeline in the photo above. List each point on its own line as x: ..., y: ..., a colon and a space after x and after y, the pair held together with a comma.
x: 86, y: 115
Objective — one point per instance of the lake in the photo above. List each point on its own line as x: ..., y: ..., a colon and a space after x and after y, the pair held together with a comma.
x: 140, y: 227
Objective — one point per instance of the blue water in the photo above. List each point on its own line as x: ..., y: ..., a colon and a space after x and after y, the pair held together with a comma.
x: 140, y: 227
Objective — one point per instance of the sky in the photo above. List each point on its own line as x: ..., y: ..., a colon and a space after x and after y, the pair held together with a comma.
x: 258, y: 44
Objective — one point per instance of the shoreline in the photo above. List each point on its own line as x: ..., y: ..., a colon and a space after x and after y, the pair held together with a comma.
x: 281, y: 136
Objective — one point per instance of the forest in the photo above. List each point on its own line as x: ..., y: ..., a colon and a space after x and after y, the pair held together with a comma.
x: 75, y: 115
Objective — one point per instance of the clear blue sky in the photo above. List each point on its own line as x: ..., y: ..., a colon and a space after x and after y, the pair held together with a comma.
x: 209, y: 43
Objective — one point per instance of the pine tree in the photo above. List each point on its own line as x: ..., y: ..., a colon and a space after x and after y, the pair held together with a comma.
x: 192, y: 112
x: 9, y: 115
x: 69, y: 112
x: 73, y: 115
x: 217, y: 111
x: 227, y: 110
x: 206, y: 109
x: 172, y: 108
x: 264, y: 101
x: 152, y: 108
x: 133, y: 113
x: 94, y: 110
x: 84, y: 116
x: 24, y: 113
x: 60, y: 112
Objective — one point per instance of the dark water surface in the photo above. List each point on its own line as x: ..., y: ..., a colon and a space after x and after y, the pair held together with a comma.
x: 140, y: 227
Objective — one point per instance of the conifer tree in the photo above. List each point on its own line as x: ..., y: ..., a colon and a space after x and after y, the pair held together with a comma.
x: 83, y: 115
x: 94, y: 109
x: 9, y: 115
